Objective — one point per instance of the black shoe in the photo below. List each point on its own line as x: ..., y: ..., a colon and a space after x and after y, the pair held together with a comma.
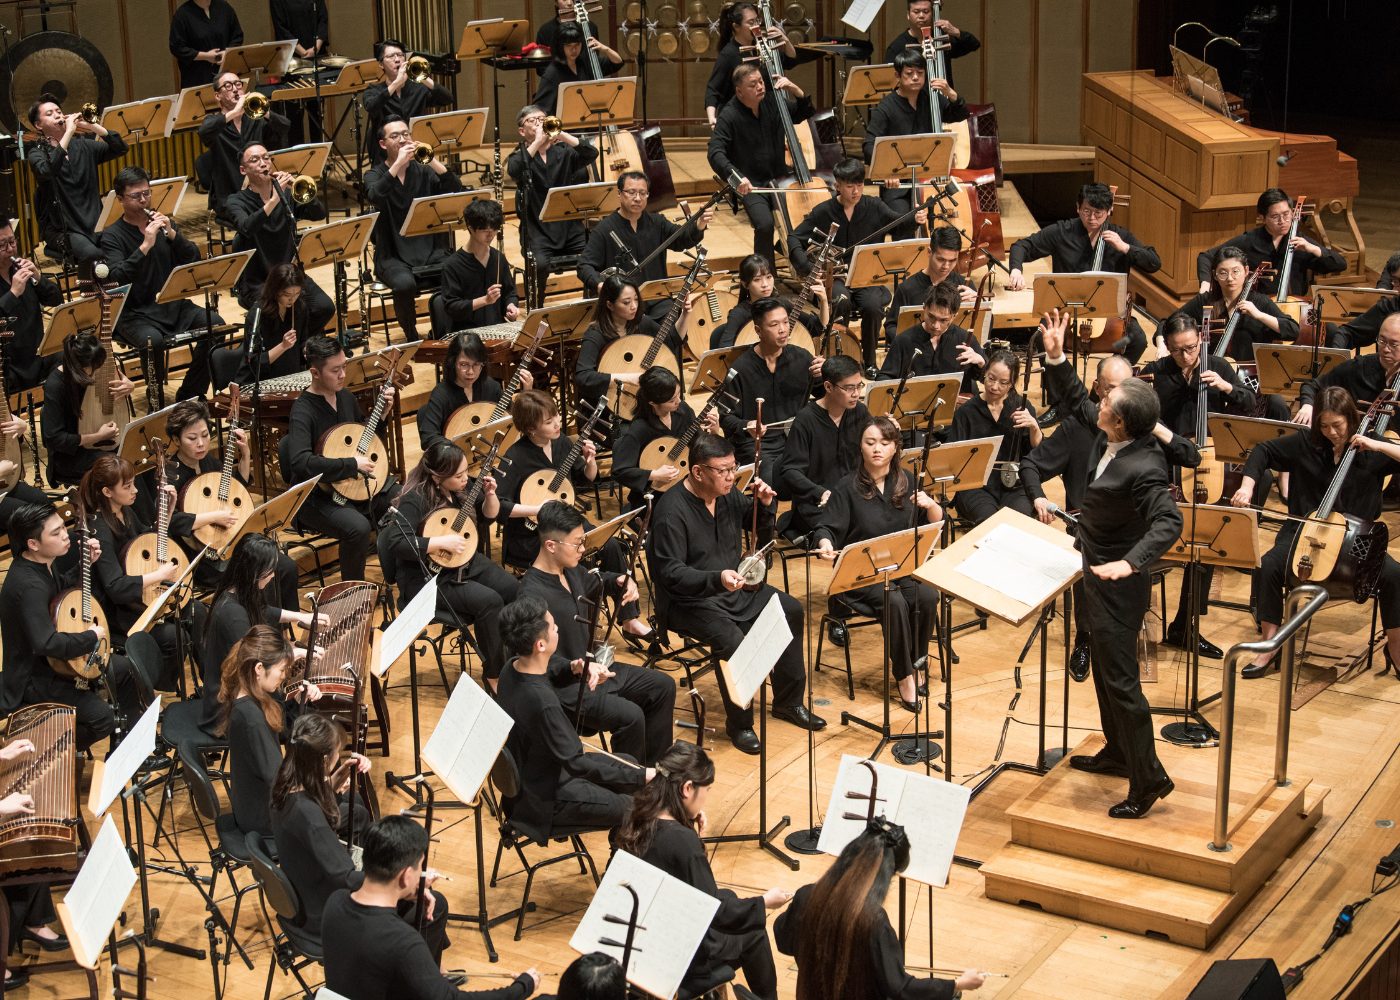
x: 744, y: 740
x: 1048, y: 417
x: 1256, y: 670
x: 59, y: 943
x: 18, y: 977
x: 1177, y: 637
x: 1079, y: 660
x: 921, y: 667
x: 455, y: 977
x: 909, y: 706
x: 800, y: 717
x: 1137, y: 806
x: 1098, y: 764
x: 837, y: 633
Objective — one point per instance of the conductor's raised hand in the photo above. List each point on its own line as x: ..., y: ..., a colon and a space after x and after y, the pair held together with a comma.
x: 1053, y: 327
x: 1119, y: 569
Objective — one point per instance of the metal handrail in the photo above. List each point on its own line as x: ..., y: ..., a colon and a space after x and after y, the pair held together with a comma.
x: 1302, y: 603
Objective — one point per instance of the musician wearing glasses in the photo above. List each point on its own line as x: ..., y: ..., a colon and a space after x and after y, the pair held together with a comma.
x: 26, y: 291
x: 1074, y: 246
x: 997, y: 410
x: 142, y: 247
x: 478, y: 284
x: 1260, y: 322
x: 67, y: 198
x: 944, y: 251
x: 200, y: 31
x: 943, y: 348
x: 391, y: 186
x: 570, y: 64
x: 920, y: 13
x: 823, y: 446
x: 464, y: 380
x: 757, y: 282
x: 1364, y: 377
x: 739, y: 24
x: 543, y: 161
x: 396, y: 96
x: 226, y: 134
x: 1270, y: 242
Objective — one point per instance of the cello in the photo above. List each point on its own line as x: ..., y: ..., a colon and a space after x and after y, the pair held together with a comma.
x: 1206, y: 482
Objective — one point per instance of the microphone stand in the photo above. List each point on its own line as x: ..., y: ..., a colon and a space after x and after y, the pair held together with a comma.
x: 903, y: 383
x: 805, y: 841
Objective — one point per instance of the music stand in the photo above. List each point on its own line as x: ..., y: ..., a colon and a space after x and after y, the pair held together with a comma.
x: 205, y: 277
x: 477, y: 440
x: 440, y: 213
x: 876, y: 264
x: 79, y: 314
x: 931, y: 397
x: 452, y: 131
x: 166, y: 195
x: 1235, y: 437
x: 598, y: 537
x: 309, y: 158
x: 141, y: 121
x: 485, y: 40
x: 867, y: 85
x: 272, y: 516
x: 1090, y: 295
x: 258, y: 60
x: 579, y: 202
x: 90, y: 908
x: 714, y: 366
x: 911, y: 157
x: 743, y: 475
x: 1283, y: 369
x: 597, y: 103
x: 192, y: 106
x: 333, y: 243
x: 168, y: 598
x: 1349, y: 303
x: 140, y: 439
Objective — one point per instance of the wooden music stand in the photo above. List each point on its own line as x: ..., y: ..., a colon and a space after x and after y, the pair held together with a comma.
x: 598, y: 537
x: 597, y: 103
x: 141, y: 438
x: 192, y: 106
x: 668, y: 287
x: 909, y: 315
x: 452, y: 130
x: 491, y: 36
x: 261, y: 59
x: 911, y: 157
x: 366, y: 369
x: 867, y: 85
x: 477, y: 441
x: 309, y: 158
x: 1348, y: 303
x: 1235, y: 437
x: 272, y: 516
x: 80, y: 314
x: 1284, y: 368
x: 559, y: 321
x: 204, y: 277
x: 336, y: 242
x: 714, y: 365
x: 875, y: 264
x: 440, y: 213
x: 930, y: 397
x: 166, y: 195
x: 141, y: 121
x: 578, y: 202
x: 1090, y: 295
x: 169, y: 598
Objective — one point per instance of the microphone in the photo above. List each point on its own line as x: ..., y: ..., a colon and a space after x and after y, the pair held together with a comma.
x: 1282, y: 161
x: 1063, y: 515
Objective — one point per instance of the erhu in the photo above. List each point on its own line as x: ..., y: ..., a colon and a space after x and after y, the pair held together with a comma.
x: 753, y: 568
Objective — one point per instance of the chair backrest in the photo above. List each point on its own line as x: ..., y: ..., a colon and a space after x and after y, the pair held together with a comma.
x: 199, y: 627
x: 277, y: 889
x: 284, y: 458
x: 224, y: 363
x: 206, y: 797
x: 505, y: 775
x: 144, y: 653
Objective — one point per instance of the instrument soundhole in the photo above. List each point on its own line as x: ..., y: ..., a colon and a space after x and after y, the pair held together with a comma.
x: 238, y: 501
x: 207, y: 492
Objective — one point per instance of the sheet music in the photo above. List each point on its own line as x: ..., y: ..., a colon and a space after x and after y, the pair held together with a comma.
x: 672, y: 919
x: 467, y: 740
x: 410, y: 624
x: 326, y: 993
x: 756, y: 656
x: 861, y: 12
x: 1020, y: 565
x: 930, y: 809
x: 90, y: 908
x: 123, y: 762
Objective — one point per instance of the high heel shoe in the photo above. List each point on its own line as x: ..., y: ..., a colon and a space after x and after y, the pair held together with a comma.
x: 914, y: 706
x: 648, y: 643
x: 59, y: 943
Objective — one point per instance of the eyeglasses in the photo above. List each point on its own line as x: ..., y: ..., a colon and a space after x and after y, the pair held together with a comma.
x: 1382, y: 344
x: 138, y: 195
x: 533, y: 120
x: 1234, y: 274
x: 230, y: 85
x: 724, y: 472
x: 990, y: 382
x: 9, y: 244
x: 396, y: 136
x: 1188, y: 349
x: 580, y: 545
x: 851, y: 390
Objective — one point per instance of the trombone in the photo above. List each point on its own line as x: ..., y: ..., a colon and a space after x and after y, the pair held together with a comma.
x: 418, y: 69
x: 255, y: 105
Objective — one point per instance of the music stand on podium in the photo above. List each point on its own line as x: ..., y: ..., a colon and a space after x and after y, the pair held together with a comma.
x: 334, y: 243
x: 875, y: 264
x: 597, y: 104
x: 440, y: 213
x: 930, y: 397
x: 1091, y: 295
x: 1283, y: 369
x: 866, y: 85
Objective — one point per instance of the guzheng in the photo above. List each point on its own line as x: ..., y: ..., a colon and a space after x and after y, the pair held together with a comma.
x: 47, y: 840
x: 348, y: 643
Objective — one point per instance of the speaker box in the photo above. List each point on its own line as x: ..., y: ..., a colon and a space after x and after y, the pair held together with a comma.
x: 1240, y: 979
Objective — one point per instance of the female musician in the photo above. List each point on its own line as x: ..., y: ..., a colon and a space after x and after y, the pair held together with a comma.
x: 661, y: 412
x: 71, y: 453
x: 1314, y: 456
x: 738, y: 25
x: 618, y: 314
x: 756, y: 282
x: 998, y: 409
x: 473, y: 595
x: 570, y: 65
x: 108, y: 490
x: 1261, y: 322
x: 464, y: 381
x: 31, y: 905
x: 841, y: 935
x: 663, y: 828
x: 878, y: 498
x: 284, y: 324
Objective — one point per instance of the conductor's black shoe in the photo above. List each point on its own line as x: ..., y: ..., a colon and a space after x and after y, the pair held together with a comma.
x: 1048, y: 417
x: 1098, y: 764
x: 800, y: 717
x: 1137, y: 806
x: 59, y: 943
x: 1079, y: 659
x: 1256, y: 670
x: 1177, y: 637
x: 837, y: 633
x: 744, y: 740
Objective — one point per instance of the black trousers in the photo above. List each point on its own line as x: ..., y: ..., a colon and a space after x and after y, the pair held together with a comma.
x: 31, y: 905
x: 348, y: 524
x: 1273, y: 574
x: 902, y: 201
x: 759, y: 208
x: 94, y: 719
x: 636, y: 709
x: 477, y: 600
x: 399, y: 277
x: 870, y: 303
x: 81, y: 249
x: 978, y: 505
x: 912, y: 610
x: 579, y: 803
x: 1204, y: 575
x: 138, y: 332
x: 751, y: 953
x: 1124, y: 713
x: 435, y: 930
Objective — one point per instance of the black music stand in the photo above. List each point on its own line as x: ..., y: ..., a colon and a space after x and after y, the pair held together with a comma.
x: 488, y: 40
x: 335, y: 243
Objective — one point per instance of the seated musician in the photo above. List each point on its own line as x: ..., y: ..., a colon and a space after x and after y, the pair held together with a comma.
x: 997, y: 409
x: 823, y: 445
x: 548, y: 33
x: 1269, y: 242
x: 641, y: 233
x: 26, y: 292
x: 632, y: 704
x: 1361, y: 331
x: 877, y: 498
x: 478, y: 285
x: 142, y: 248
x: 593, y: 976
x: 372, y: 951
x: 464, y: 382
x: 392, y: 186
x: 739, y: 23
x: 944, y: 349
x: 319, y: 408
x: 920, y: 13
x: 1071, y: 244
x: 1364, y: 377
x: 199, y: 34
x: 1261, y: 321
x: 619, y: 314
x: 944, y: 247
x: 661, y: 412
x: 541, y: 162
x: 859, y: 217
x: 266, y: 218
x: 695, y: 545
x: 67, y: 201
x: 1390, y: 274
x: 779, y: 373
x: 396, y: 96
x: 756, y: 282
x: 561, y: 785
x: 664, y: 830
x: 71, y: 453
x: 284, y: 324
x: 470, y: 596
x: 31, y: 904
x: 570, y: 65
x: 905, y: 111
x: 227, y: 132
x: 1313, y: 455
x: 748, y: 144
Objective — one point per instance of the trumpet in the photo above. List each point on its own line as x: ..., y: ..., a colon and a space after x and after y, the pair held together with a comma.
x: 88, y: 113
x: 552, y: 126
x: 303, y: 189
x: 418, y: 69
x: 255, y: 105
x: 422, y: 152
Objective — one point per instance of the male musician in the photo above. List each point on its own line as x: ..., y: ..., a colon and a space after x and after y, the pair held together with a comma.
x: 392, y: 186
x: 748, y: 143
x: 27, y: 291
x: 943, y: 348
x: 1270, y: 242
x: 396, y: 96
x: 316, y: 411
x: 226, y: 134
x: 905, y: 111
x: 627, y: 237
x: 1072, y: 244
x: 697, y: 537
x: 1365, y: 377
x: 944, y: 246
x: 633, y: 705
x: 307, y: 24
x: 1363, y: 330
x: 823, y: 445
x: 740, y: 24
x: 66, y: 198
x: 539, y: 163
x: 200, y: 31
x: 548, y: 32
x: 920, y: 13
x: 1390, y: 274
x: 142, y: 248
x: 478, y: 287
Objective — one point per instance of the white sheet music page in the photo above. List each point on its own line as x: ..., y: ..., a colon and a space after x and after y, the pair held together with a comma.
x: 467, y: 740
x: 1020, y: 565
x: 861, y: 12
x: 408, y: 626
x: 121, y: 766
x: 756, y: 656
x: 672, y: 917
x: 90, y: 908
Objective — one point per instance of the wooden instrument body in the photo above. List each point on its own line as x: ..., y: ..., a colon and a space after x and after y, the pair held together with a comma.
x: 983, y: 140
x: 800, y: 199
x: 1206, y: 482
x: 536, y: 491
x: 139, y: 558
x: 820, y: 139
x: 442, y: 522
x: 709, y: 311
x: 472, y: 416
x: 68, y: 618
x: 343, y: 441
x: 798, y: 338
x: 201, y: 496
x: 10, y: 448
x: 47, y: 840
x: 99, y: 406
x: 642, y: 150
x: 658, y: 453
x: 626, y: 356
x: 1344, y: 554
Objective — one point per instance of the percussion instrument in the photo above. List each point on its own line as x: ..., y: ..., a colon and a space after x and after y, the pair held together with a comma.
x: 152, y: 550
x: 352, y: 440
x: 10, y: 448
x: 555, y: 484
x: 100, y: 407
x: 75, y: 611
x: 670, y: 449
x: 47, y: 839
x: 461, y: 520
x: 211, y: 491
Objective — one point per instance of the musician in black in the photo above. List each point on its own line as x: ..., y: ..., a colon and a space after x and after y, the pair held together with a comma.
x: 464, y: 381
x: 327, y: 403
x: 618, y: 314
x: 633, y: 705
x: 1313, y: 455
x: 571, y: 65
x: 756, y: 282
x: 284, y: 325
x: 1071, y: 245
x: 1260, y: 322
x: 944, y: 249
x: 662, y: 412
x: 997, y: 410
x: 27, y: 290
x: 541, y: 162
x: 1364, y: 377
x: 64, y: 159
x: 640, y: 232
x: 253, y: 719
x: 823, y: 444
x: 71, y: 453
x: 1269, y: 241
x: 307, y: 24
x: 944, y: 349
x: 695, y: 545
x: 738, y: 25
x: 1363, y: 330
x: 226, y: 133
x: 1388, y: 276
x: 142, y: 248
x: 548, y: 33
x: 749, y: 144
x: 470, y: 596
x: 960, y: 41
x: 200, y: 31
x: 396, y: 96
x: 478, y: 284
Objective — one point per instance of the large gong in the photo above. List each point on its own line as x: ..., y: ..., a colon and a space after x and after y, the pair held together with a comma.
x: 53, y: 62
